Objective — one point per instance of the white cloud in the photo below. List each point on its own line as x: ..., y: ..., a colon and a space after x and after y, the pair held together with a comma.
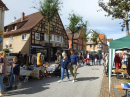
x: 86, y: 8
x: 116, y: 35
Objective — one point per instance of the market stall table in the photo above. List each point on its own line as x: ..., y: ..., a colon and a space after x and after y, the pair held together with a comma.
x: 27, y: 72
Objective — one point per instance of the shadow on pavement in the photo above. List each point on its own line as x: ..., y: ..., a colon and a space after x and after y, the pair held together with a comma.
x: 87, y: 78
x: 32, y: 87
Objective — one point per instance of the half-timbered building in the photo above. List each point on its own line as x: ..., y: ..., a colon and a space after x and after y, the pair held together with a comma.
x: 29, y: 35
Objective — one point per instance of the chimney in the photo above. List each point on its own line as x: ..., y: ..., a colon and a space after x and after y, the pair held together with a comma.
x: 22, y: 18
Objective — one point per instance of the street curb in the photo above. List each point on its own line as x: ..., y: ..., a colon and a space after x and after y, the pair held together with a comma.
x: 115, y: 89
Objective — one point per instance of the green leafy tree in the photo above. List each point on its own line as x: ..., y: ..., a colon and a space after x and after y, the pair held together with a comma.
x: 95, y: 40
x: 118, y: 9
x: 85, y: 28
x: 49, y: 9
x: 75, y: 25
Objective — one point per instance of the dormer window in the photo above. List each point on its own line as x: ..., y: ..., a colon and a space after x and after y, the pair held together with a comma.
x: 15, y: 28
x: 6, y: 30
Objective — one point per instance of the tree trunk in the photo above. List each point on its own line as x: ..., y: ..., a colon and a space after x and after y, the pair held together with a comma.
x: 72, y: 40
x: 49, y: 46
x: 127, y: 24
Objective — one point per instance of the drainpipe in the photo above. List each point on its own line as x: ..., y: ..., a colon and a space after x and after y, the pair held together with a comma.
x: 1, y: 28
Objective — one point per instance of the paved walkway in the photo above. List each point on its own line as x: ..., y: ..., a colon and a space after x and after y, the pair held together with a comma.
x: 88, y: 84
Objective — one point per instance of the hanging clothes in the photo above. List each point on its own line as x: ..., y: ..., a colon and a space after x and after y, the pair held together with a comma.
x: 33, y: 59
x: 39, y: 59
x: 117, y: 61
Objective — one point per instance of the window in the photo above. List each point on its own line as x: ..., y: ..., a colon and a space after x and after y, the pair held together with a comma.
x: 90, y: 46
x: 64, y: 41
x: 45, y: 37
x: 6, y: 30
x: 80, y: 48
x: 43, y: 26
x: 37, y: 36
x: 69, y: 45
x: 11, y: 38
x: 15, y: 28
x: 78, y: 41
x: 51, y: 37
x: 24, y: 36
x: 58, y: 38
x: 74, y: 46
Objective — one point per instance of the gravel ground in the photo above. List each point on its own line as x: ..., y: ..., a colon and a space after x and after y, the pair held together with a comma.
x: 88, y: 84
x: 104, y: 89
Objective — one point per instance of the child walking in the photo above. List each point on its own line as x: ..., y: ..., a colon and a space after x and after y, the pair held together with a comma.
x: 14, y: 72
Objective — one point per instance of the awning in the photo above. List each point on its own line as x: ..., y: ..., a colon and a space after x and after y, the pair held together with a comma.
x: 37, y: 47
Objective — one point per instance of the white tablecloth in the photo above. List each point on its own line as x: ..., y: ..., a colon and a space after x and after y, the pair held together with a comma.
x: 51, y: 69
x: 27, y: 72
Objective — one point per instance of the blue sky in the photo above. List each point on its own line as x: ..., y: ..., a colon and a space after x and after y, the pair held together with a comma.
x: 86, y: 8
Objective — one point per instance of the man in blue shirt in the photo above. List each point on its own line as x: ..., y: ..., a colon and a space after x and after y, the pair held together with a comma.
x: 74, y: 64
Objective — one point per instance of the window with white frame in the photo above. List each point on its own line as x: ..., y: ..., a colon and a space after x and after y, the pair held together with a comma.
x: 6, y: 30
x: 37, y: 36
x: 80, y: 48
x: 11, y: 38
x: 51, y: 37
x: 24, y: 36
x: 74, y: 46
x: 15, y: 28
x: 58, y: 38
x: 69, y: 45
x: 45, y: 37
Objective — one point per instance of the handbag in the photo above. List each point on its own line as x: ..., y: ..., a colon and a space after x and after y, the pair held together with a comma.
x: 1, y: 66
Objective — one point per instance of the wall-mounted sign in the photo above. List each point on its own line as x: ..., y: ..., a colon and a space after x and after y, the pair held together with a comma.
x: 1, y: 32
x: 58, y: 45
x: 0, y: 39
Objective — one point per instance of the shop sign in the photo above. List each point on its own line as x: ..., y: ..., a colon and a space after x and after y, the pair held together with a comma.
x: 1, y: 32
x: 58, y: 45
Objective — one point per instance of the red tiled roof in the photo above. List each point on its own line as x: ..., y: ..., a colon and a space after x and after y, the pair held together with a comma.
x: 102, y: 36
x: 3, y: 5
x: 31, y: 21
x: 76, y: 35
x: 109, y: 40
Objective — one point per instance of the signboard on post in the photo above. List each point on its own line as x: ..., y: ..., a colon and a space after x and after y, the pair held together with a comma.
x: 1, y: 32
